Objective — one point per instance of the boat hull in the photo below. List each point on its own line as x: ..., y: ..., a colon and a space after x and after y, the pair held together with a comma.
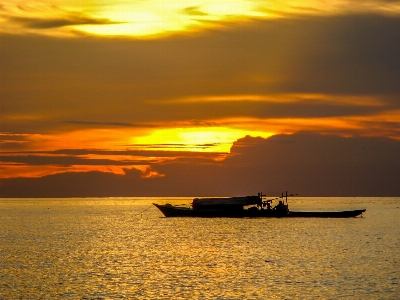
x: 326, y: 214
x: 174, y: 211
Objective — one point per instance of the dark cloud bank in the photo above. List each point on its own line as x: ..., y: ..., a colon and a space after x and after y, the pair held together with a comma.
x: 304, y: 163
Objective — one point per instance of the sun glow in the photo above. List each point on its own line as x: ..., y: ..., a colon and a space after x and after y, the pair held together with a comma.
x: 159, y: 17
x: 152, y: 18
x: 122, y: 18
x: 202, y: 139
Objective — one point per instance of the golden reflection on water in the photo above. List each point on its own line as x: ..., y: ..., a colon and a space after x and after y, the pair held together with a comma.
x: 115, y: 249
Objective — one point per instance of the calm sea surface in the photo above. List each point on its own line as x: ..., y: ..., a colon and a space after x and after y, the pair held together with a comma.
x: 123, y: 248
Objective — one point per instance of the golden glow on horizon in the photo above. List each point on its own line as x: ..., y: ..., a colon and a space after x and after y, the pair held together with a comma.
x: 202, y: 139
x: 121, y: 18
x: 194, y: 139
x: 198, y: 139
x: 149, y: 18
x: 154, y: 17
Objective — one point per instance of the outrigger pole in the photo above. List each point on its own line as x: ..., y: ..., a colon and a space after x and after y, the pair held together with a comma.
x: 286, y: 196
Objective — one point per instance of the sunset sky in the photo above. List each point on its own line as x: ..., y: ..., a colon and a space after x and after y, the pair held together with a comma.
x: 182, y: 98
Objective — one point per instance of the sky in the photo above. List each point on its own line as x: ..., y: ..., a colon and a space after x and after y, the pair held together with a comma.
x: 199, y: 98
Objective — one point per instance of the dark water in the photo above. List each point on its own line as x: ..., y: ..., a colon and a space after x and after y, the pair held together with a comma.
x: 122, y: 248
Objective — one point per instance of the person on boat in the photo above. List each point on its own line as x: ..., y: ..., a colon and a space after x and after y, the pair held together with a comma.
x: 259, y: 201
x: 280, y: 206
x: 268, y: 205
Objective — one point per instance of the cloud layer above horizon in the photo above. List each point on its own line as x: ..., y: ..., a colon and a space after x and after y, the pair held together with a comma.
x: 75, y: 98
x: 304, y: 163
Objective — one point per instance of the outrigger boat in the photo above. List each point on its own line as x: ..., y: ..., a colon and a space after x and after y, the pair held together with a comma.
x: 247, y: 207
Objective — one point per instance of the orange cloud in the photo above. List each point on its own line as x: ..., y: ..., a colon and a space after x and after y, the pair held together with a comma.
x: 33, y: 171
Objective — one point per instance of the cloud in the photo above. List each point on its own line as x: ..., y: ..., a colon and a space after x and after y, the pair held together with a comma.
x: 68, y: 20
x: 303, y: 163
x: 346, y: 55
x: 335, y: 74
x: 32, y: 164
x: 64, y: 160
x: 69, y: 157
x: 109, y: 124
x: 193, y: 11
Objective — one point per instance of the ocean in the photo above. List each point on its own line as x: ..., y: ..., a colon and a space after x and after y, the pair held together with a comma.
x: 123, y: 248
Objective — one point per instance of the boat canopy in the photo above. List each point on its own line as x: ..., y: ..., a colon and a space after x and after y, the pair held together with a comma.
x: 232, y: 201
